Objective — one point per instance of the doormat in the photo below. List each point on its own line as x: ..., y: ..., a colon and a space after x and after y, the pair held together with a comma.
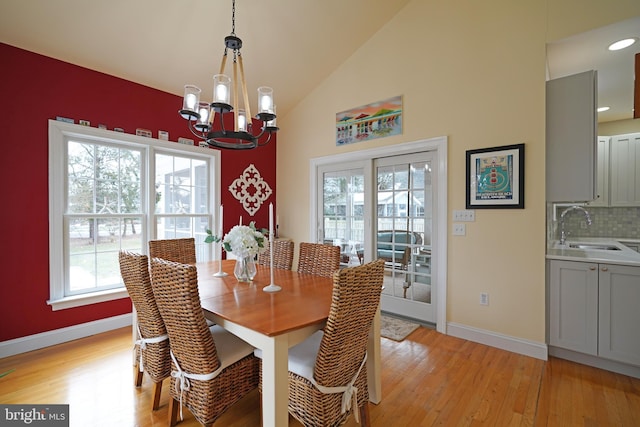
x: 396, y: 329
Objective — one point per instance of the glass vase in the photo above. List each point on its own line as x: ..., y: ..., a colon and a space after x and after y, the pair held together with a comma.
x: 245, y: 269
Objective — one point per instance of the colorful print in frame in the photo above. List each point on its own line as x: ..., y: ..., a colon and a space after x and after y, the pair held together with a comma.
x: 495, y: 178
x: 376, y: 120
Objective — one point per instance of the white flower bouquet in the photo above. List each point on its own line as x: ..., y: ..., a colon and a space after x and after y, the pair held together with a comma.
x: 244, y: 241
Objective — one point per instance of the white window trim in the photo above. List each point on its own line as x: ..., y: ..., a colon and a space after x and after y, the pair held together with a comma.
x: 58, y: 133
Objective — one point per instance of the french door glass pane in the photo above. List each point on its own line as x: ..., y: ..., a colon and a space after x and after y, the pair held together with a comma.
x: 343, y: 213
x: 404, y: 229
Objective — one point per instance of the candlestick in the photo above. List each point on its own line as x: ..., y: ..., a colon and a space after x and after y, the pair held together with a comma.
x: 220, y: 273
x: 272, y: 286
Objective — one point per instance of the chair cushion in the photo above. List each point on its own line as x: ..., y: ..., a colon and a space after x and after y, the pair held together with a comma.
x: 302, y: 357
x: 229, y: 347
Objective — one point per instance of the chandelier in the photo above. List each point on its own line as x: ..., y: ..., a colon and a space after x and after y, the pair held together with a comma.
x: 207, y: 120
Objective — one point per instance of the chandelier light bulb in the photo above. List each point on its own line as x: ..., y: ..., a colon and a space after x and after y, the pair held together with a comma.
x: 221, y: 88
x: 242, y: 120
x: 265, y: 96
x: 191, y: 98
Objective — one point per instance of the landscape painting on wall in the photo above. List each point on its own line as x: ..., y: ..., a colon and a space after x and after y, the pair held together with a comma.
x: 371, y: 121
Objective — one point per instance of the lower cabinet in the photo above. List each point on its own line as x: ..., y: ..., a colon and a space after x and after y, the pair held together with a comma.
x: 594, y: 309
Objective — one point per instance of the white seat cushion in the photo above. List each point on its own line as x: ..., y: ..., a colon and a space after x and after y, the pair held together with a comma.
x: 229, y: 347
x: 302, y: 357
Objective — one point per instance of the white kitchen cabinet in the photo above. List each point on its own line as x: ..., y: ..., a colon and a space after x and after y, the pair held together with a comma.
x: 619, y: 316
x: 625, y: 170
x: 593, y: 309
x: 602, y: 172
x: 571, y: 138
x: 573, y: 308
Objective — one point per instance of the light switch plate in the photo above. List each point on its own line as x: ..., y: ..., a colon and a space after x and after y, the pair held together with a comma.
x: 459, y: 229
x: 464, y: 215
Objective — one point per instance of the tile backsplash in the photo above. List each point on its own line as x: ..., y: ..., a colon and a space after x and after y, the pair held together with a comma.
x: 606, y: 222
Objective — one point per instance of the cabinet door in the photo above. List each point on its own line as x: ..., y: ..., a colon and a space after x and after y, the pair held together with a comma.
x: 571, y: 138
x: 619, y: 312
x: 625, y: 176
x: 602, y: 172
x: 573, y: 306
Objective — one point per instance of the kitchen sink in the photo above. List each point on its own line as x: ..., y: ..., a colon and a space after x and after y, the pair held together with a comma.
x: 595, y: 246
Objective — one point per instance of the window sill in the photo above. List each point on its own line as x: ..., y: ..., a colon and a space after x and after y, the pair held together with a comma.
x: 92, y: 298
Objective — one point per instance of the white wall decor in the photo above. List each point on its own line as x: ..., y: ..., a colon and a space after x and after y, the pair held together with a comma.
x: 251, y: 198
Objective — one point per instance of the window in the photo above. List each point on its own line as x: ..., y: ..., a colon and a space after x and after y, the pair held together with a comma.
x: 109, y: 192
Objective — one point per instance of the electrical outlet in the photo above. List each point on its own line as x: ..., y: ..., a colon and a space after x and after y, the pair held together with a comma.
x: 459, y: 229
x: 484, y: 298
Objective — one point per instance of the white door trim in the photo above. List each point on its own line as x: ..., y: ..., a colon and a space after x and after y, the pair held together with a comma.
x: 437, y: 144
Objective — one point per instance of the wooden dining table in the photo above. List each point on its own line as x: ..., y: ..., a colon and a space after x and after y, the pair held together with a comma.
x: 274, y: 322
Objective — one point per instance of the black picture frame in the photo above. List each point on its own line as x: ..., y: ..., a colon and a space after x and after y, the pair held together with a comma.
x: 495, y: 177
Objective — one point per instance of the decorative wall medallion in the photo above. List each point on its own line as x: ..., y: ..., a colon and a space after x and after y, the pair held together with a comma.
x: 250, y: 189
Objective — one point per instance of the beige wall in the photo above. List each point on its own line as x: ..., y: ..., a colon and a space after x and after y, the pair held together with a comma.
x: 475, y: 72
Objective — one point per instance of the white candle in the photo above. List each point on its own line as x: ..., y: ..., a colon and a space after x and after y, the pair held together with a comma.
x: 240, y: 220
x: 271, y: 239
x: 220, y: 227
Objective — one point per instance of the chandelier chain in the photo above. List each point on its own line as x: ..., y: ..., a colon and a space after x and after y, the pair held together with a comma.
x: 233, y: 18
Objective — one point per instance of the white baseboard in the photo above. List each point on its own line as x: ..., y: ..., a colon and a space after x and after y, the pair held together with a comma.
x: 504, y: 342
x: 58, y: 336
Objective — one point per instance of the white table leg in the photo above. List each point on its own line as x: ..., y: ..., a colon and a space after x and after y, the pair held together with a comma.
x: 275, y: 389
x: 374, y: 381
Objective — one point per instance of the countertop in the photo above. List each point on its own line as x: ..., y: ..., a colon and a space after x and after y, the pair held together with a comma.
x: 624, y: 256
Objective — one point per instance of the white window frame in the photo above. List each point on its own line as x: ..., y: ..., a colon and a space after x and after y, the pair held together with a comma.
x: 59, y: 133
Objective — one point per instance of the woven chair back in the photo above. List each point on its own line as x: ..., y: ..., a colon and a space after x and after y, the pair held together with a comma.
x: 282, y: 255
x: 176, y: 250
x: 175, y: 287
x: 319, y: 259
x: 355, y: 300
x: 134, y: 269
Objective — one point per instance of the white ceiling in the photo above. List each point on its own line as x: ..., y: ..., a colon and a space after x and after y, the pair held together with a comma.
x: 290, y: 45
x: 588, y: 51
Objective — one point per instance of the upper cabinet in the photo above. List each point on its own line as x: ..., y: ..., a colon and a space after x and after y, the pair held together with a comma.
x: 571, y: 138
x: 624, y: 170
x: 602, y: 172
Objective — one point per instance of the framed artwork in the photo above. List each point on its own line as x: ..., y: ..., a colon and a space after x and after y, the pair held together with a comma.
x: 495, y: 177
x: 376, y: 120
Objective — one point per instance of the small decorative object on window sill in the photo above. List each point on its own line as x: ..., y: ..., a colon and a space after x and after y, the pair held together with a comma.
x: 244, y: 242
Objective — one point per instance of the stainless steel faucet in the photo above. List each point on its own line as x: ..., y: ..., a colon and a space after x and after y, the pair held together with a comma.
x: 563, y: 234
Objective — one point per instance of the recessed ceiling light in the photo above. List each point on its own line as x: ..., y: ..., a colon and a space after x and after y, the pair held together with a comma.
x: 601, y: 109
x: 621, y: 44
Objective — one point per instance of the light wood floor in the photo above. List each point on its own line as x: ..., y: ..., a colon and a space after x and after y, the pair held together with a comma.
x: 428, y: 379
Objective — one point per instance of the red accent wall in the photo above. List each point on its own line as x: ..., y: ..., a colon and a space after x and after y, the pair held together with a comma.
x: 34, y: 89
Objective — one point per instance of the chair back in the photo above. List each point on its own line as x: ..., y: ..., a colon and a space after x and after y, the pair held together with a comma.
x: 176, y: 250
x: 355, y: 300
x: 175, y: 287
x: 319, y: 259
x: 282, y: 255
x: 134, y: 269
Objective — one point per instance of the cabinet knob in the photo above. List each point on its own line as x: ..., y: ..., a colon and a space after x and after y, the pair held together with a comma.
x: 605, y: 269
x: 593, y: 267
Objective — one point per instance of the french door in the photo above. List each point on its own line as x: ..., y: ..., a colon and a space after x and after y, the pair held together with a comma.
x: 403, y: 233
x: 383, y: 208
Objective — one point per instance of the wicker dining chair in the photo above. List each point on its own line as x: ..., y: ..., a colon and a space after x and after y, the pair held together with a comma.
x: 176, y: 250
x: 152, y: 341
x: 329, y: 367
x: 318, y: 258
x: 282, y: 255
x: 211, y: 368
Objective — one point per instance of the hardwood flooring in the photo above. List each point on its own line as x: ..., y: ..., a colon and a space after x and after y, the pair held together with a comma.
x: 428, y: 379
